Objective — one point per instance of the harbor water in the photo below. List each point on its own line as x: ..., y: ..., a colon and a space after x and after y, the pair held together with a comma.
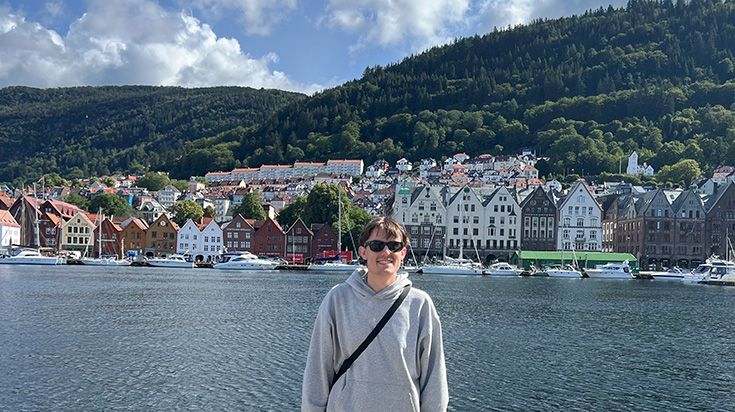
x: 91, y: 338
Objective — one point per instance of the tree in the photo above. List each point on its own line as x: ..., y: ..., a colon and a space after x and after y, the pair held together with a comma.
x: 77, y: 200
x: 251, y: 207
x: 110, y: 205
x: 289, y: 214
x: 322, y: 204
x: 108, y: 181
x: 154, y: 181
x: 180, y: 185
x: 683, y: 172
x: 188, y: 209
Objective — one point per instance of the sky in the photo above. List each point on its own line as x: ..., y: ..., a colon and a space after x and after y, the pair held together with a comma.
x: 297, y: 45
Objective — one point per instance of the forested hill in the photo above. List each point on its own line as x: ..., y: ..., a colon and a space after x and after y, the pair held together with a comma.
x: 94, y: 131
x: 657, y: 77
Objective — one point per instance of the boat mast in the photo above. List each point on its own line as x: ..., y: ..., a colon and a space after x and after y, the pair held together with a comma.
x: 36, y: 228
x: 339, y: 224
x: 461, y: 223
x: 99, y: 233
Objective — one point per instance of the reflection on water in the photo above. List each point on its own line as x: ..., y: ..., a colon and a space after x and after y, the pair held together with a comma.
x: 81, y: 338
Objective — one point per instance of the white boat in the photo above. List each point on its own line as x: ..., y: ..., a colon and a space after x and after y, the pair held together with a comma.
x: 108, y: 261
x: 715, y: 271
x: 611, y: 271
x: 501, y: 269
x: 171, y: 261
x: 335, y: 267
x: 451, y: 269
x: 562, y: 271
x: 245, y: 261
x: 32, y: 257
x: 674, y: 273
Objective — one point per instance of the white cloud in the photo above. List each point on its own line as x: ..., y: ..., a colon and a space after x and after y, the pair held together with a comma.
x: 420, y: 24
x: 130, y: 42
x: 258, y: 16
x: 501, y: 13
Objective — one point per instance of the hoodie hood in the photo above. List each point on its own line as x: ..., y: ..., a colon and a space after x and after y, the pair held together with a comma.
x: 390, y: 292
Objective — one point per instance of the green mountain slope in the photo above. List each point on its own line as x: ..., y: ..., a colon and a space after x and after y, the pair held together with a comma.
x: 86, y: 131
x: 656, y: 76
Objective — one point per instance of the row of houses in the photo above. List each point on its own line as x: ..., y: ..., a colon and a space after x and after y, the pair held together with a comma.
x: 65, y: 227
x: 662, y: 228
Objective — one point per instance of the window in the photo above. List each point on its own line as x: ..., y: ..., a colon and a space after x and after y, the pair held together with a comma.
x: 475, y: 231
x: 414, y: 230
x: 426, y: 230
x: 455, y: 231
x: 476, y: 220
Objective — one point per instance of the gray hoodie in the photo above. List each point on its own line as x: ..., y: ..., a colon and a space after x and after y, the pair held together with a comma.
x: 402, y: 369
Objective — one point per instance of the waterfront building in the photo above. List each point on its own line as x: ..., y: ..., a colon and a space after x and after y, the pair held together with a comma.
x: 133, y: 235
x: 76, y: 233
x: 689, y: 222
x: 538, y: 221
x: 269, y: 238
x: 238, y: 234
x: 9, y: 229
x: 720, y: 221
x: 161, y: 237
x: 202, y: 240
x: 112, y: 240
x: 324, y: 239
x: 580, y: 220
x: 421, y: 210
x: 502, y: 217
x: 662, y: 228
x: 298, y: 241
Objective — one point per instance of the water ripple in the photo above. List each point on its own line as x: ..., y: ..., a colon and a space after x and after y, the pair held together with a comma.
x: 76, y: 338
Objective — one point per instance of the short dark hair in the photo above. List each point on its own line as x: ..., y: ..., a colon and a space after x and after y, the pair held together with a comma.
x: 387, y: 224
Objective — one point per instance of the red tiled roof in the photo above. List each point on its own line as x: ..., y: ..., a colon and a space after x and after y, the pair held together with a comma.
x: 6, y: 219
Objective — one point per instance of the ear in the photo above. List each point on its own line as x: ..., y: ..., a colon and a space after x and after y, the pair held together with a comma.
x: 362, y: 252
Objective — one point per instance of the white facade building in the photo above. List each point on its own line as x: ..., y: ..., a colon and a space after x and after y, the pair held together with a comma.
x: 9, y: 229
x: 580, y: 220
x: 502, y: 221
x: 168, y: 196
x: 404, y: 165
x: 203, y: 242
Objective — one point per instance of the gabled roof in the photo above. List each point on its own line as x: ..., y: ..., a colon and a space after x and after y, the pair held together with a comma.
x: 7, y: 220
x: 298, y: 220
x: 713, y: 200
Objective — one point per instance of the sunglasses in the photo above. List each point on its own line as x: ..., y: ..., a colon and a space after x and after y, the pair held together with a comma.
x: 379, y: 245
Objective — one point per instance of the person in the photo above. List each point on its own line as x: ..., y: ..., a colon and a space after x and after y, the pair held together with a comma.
x: 403, y: 368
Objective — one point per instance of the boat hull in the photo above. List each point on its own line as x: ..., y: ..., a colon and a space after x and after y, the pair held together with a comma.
x: 41, y: 260
x: 569, y: 274
x: 104, y: 262
x: 245, y: 266
x: 170, y: 264
x: 501, y: 273
x: 602, y: 274
x: 450, y: 270
x: 334, y: 268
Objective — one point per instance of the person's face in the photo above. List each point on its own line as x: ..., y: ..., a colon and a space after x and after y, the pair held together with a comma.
x: 384, y: 262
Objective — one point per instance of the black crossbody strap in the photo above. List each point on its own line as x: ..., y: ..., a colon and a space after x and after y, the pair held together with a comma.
x: 349, y: 361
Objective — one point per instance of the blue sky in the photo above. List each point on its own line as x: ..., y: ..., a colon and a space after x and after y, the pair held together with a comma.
x: 286, y: 44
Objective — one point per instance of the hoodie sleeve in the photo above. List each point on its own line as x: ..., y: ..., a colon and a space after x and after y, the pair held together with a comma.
x: 433, y: 390
x: 319, y: 363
